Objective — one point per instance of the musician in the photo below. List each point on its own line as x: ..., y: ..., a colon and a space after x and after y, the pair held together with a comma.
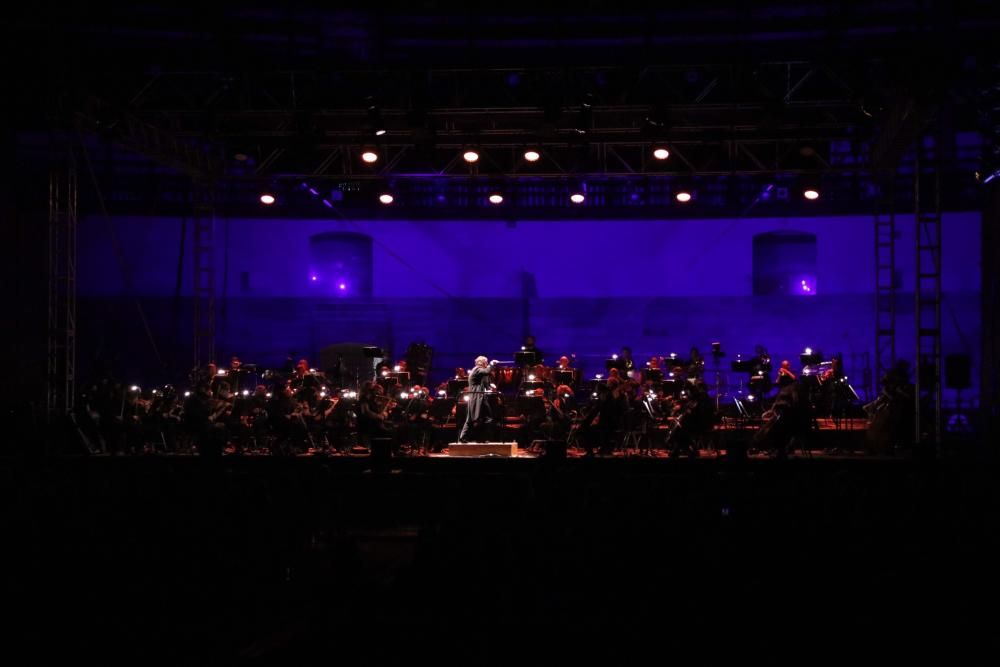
x: 479, y: 407
x: 652, y: 373
x: 788, y: 423
x: 786, y: 375
x: 604, y: 417
x: 760, y: 378
x: 304, y: 377
x: 236, y: 373
x: 373, y: 412
x: 696, y: 365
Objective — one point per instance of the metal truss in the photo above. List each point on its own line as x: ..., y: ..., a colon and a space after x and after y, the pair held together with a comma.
x: 927, y: 313
x: 62, y: 254
x: 885, y: 285
x: 203, y: 284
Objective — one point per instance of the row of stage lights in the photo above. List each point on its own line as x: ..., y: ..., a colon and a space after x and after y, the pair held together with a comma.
x: 496, y: 198
x: 370, y: 156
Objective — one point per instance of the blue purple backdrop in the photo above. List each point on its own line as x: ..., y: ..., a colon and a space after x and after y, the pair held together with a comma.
x: 475, y: 287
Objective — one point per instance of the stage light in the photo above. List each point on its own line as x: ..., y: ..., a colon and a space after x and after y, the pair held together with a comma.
x: 267, y: 199
x: 531, y: 378
x: 385, y: 198
x: 577, y: 198
x: 532, y: 155
x: 342, y: 286
x: 808, y: 350
x: 471, y: 156
x: 403, y: 394
x: 599, y: 376
x: 134, y: 387
x: 246, y: 392
x: 395, y: 369
x: 661, y: 153
x: 496, y: 198
x: 186, y: 394
x: 529, y: 393
x: 314, y: 277
x: 811, y: 194
x: 379, y: 132
x: 369, y: 156
x: 442, y: 392
x: 465, y: 398
x: 683, y: 196
x: 221, y: 372
x: 614, y: 356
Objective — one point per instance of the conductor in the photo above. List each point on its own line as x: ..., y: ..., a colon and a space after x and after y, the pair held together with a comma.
x: 479, y: 407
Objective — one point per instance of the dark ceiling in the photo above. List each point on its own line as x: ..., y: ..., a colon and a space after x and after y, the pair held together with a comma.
x: 763, y: 93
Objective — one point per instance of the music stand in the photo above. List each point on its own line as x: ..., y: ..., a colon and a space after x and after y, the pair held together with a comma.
x: 566, y: 377
x: 526, y: 358
x: 376, y: 354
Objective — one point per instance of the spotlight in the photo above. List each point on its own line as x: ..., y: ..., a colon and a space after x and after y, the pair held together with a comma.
x: 342, y: 286
x: 471, y: 156
x: 661, y: 153
x: 532, y: 155
x: 496, y: 198
x: 267, y: 199
x: 246, y: 392
x: 186, y: 394
x: 314, y: 277
x: 385, y: 198
x: 134, y: 387
x: 577, y: 197
x: 466, y: 398
x: 379, y: 132
x: 442, y: 392
x: 369, y: 156
x: 811, y: 194
x: 683, y: 196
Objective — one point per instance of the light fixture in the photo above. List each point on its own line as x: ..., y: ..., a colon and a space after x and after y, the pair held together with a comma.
x: 471, y: 156
x: 267, y: 199
x: 811, y: 194
x: 531, y: 155
x: 496, y: 198
x: 661, y: 153
x: 577, y: 197
x: 385, y: 198
x: 369, y: 156
x: 683, y: 196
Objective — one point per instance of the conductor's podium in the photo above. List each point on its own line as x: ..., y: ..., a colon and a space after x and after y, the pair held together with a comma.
x: 480, y: 449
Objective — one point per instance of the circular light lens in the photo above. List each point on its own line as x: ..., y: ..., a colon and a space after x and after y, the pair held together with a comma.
x: 385, y: 198
x: 471, y: 156
x: 532, y: 156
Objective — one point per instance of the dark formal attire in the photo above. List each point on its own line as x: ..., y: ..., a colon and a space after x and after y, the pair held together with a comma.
x: 479, y: 407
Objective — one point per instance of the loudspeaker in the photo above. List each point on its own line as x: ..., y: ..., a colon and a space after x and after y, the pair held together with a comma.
x: 381, y: 449
x: 555, y: 450
x: 958, y: 371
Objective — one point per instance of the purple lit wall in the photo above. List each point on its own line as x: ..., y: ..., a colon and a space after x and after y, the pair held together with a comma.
x: 588, y: 287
